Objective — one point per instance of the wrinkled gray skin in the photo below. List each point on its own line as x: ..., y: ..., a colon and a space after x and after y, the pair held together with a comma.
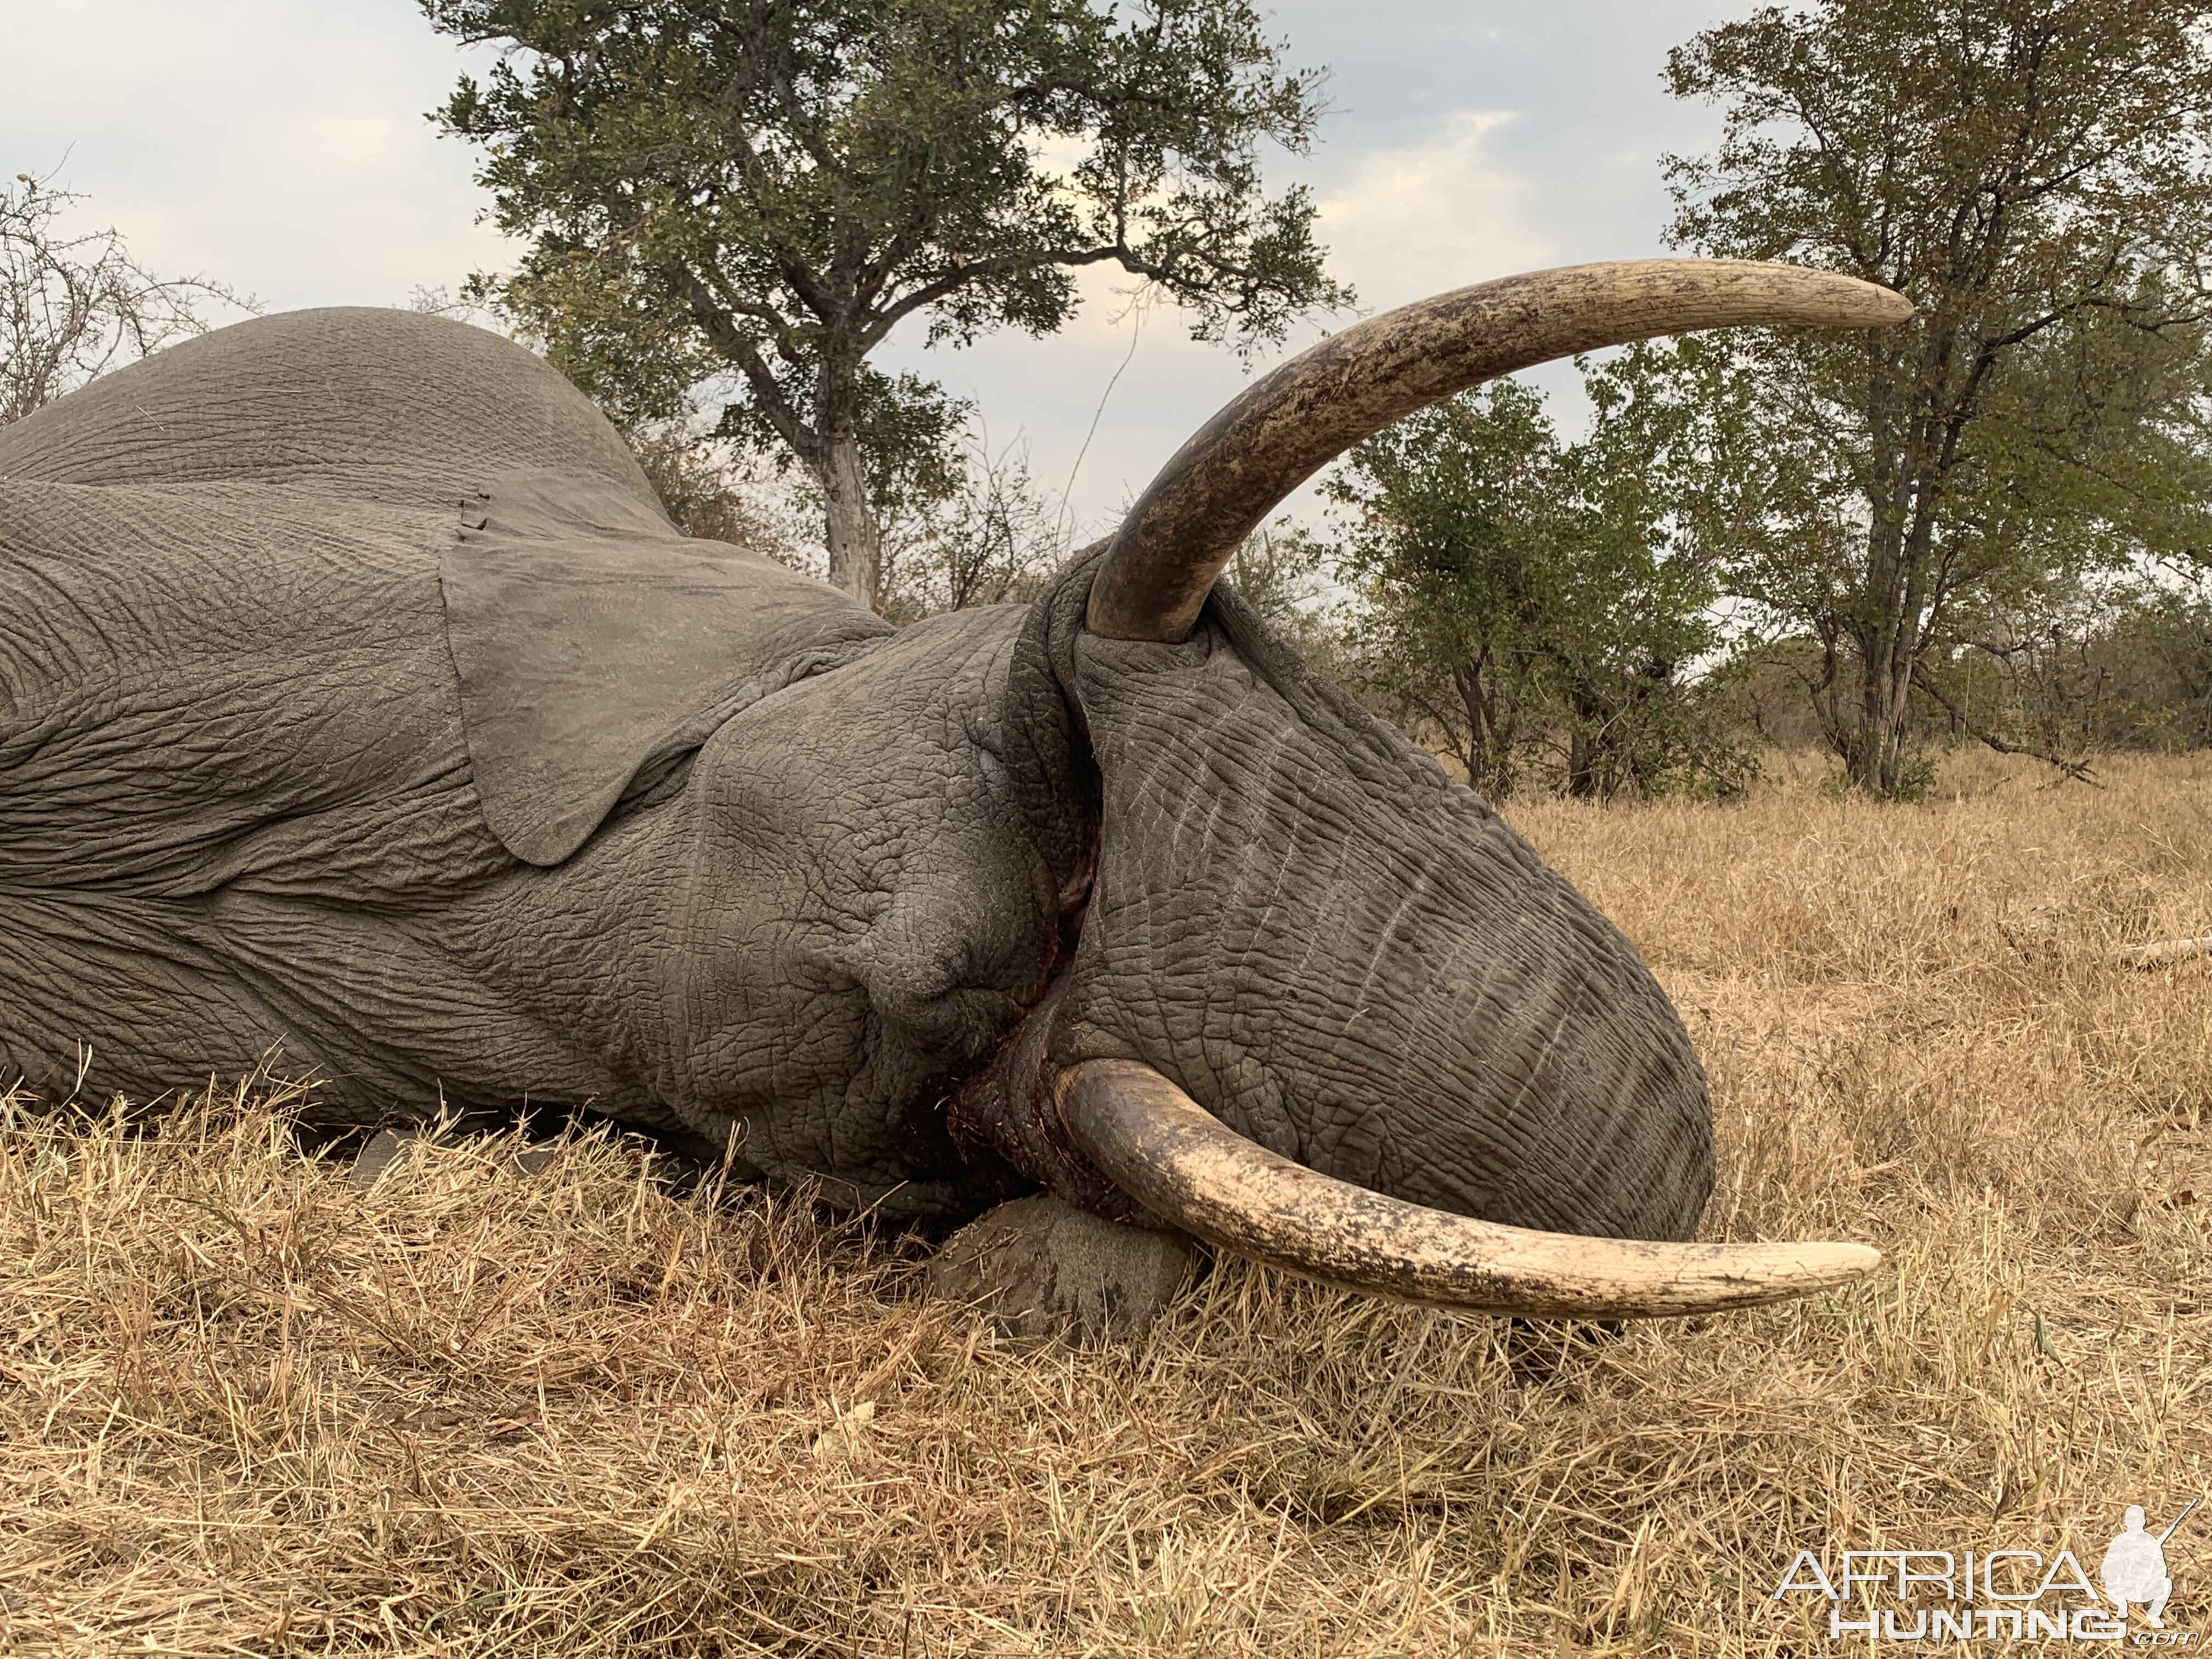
x: 357, y: 699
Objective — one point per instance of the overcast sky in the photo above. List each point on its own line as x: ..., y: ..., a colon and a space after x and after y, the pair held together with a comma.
x: 280, y: 146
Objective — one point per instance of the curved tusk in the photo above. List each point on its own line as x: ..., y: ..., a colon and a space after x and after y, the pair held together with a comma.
x: 1189, y: 1167
x: 1284, y: 427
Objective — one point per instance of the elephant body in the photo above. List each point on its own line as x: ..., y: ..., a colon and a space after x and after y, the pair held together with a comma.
x: 358, y: 705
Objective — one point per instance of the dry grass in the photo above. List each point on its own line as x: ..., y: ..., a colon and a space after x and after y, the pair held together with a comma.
x: 245, y: 1409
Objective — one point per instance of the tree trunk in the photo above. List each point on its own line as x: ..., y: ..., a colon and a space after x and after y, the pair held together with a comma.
x: 1489, y: 748
x: 1582, y: 764
x: 1875, y: 761
x: 854, y: 538
x: 1894, y: 606
x: 1587, y: 744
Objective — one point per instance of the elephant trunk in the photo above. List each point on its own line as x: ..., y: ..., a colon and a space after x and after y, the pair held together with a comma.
x: 1489, y: 1043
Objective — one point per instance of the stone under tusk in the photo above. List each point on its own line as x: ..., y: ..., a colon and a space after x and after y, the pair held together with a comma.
x: 1284, y: 427
x: 1190, y: 1169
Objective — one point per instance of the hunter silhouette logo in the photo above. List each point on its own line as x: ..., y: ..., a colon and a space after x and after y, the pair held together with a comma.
x: 2134, y: 1566
x: 2005, y: 1592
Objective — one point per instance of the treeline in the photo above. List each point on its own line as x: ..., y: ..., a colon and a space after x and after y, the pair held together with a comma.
x: 1992, y: 524
x: 1988, y: 523
x: 1575, y: 616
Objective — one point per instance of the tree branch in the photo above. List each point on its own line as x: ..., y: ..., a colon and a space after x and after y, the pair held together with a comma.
x: 2078, y: 770
x: 729, y: 340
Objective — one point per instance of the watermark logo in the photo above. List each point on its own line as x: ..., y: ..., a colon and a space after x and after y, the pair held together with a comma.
x: 1891, y: 1594
x: 2134, y: 1566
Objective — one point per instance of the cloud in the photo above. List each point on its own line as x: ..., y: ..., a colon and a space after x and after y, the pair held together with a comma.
x: 279, y: 146
x: 1434, y: 213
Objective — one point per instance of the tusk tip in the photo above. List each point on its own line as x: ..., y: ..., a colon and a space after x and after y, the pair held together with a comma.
x: 1856, y: 1261
x: 1823, y: 1266
x: 1813, y: 298
x: 1878, y: 307
x: 1758, y: 1275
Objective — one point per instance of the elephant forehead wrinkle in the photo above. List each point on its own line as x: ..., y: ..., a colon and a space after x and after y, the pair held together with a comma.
x: 1282, y: 864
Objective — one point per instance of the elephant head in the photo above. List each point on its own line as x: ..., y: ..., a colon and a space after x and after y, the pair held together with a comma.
x: 1432, y: 1069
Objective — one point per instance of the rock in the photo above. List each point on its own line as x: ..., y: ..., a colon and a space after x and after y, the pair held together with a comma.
x: 1040, y: 1267
x: 850, y: 1436
x: 374, y: 1159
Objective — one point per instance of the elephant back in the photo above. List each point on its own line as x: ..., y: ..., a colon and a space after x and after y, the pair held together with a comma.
x: 387, y: 406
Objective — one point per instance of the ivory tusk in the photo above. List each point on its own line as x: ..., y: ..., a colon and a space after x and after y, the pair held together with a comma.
x: 1240, y: 466
x: 1190, y: 1169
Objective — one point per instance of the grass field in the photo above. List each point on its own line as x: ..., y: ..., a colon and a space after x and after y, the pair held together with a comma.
x: 246, y: 1409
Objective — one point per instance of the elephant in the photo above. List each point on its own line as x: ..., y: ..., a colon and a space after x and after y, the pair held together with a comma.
x: 359, y: 700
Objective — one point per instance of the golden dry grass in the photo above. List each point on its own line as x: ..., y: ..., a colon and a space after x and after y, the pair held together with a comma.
x: 245, y: 1409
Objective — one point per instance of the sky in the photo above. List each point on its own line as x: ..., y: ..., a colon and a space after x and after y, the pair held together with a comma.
x: 280, y: 146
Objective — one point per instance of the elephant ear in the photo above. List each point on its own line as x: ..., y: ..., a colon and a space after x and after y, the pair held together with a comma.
x: 596, y: 648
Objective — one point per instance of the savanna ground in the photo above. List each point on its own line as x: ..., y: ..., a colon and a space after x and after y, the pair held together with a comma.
x: 245, y: 1408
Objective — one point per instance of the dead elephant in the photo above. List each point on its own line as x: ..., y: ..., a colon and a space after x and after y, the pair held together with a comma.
x: 356, y: 695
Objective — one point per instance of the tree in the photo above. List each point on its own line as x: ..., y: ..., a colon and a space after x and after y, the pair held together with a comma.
x: 2031, y: 173
x: 703, y: 494
x: 2163, y: 644
x: 1446, y: 551
x: 745, y: 197
x: 1527, y: 597
x: 73, y: 306
x: 2123, y: 662
x: 991, y: 540
x: 1287, y: 573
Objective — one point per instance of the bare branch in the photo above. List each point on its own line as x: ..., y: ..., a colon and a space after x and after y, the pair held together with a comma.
x: 75, y: 306
x: 2079, y: 771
